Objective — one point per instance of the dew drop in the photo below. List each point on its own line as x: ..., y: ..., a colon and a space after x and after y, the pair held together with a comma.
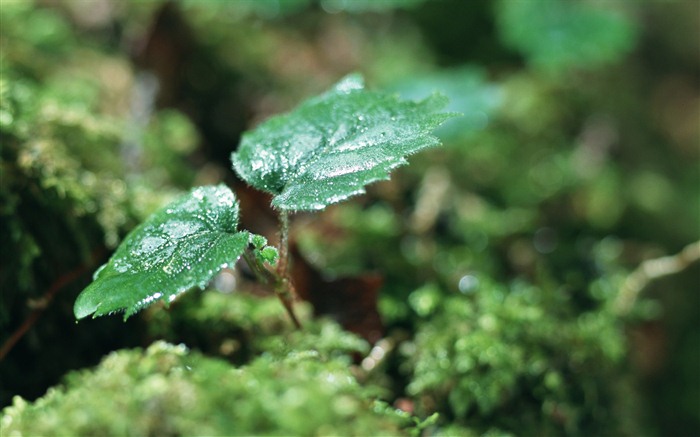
x: 148, y: 245
x: 468, y: 284
x: 122, y: 267
x: 225, y: 282
x: 180, y: 229
x: 149, y: 299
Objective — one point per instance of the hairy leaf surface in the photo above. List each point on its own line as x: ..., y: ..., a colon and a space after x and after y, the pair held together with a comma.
x: 332, y: 146
x: 180, y: 247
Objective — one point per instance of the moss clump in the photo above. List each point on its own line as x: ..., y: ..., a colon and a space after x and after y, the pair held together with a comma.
x: 241, y: 326
x: 79, y: 167
x: 167, y: 390
x: 508, y: 357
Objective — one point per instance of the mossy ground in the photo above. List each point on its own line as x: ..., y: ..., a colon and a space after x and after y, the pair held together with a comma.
x: 502, y: 254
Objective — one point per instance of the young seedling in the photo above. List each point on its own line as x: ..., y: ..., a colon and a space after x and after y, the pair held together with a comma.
x: 326, y: 150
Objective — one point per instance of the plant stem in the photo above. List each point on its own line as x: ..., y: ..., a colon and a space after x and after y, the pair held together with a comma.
x: 286, y: 294
x: 283, y: 266
x: 279, y: 277
x: 260, y: 272
x: 283, y: 286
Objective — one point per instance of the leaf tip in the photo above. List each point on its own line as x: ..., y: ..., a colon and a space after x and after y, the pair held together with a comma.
x: 82, y: 309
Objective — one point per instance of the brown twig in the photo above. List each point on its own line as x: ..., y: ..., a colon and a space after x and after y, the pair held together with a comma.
x: 651, y: 270
x: 45, y: 300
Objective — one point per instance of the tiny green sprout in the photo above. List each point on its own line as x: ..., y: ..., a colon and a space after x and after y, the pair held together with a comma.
x: 258, y: 241
x: 263, y: 252
x: 323, y: 152
x: 267, y: 255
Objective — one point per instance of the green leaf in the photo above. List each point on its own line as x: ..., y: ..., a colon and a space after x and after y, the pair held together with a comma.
x: 180, y: 247
x: 267, y: 254
x: 555, y: 35
x: 469, y: 91
x: 263, y: 253
x: 333, y: 145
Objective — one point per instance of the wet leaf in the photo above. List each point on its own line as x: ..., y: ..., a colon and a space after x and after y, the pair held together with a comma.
x: 333, y: 145
x: 555, y: 35
x: 470, y: 94
x: 180, y: 247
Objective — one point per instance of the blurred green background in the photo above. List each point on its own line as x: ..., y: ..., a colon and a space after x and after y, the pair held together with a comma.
x: 498, y: 271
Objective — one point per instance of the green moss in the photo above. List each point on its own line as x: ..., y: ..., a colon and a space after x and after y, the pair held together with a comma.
x: 511, y: 356
x: 71, y: 185
x: 167, y: 390
x: 241, y: 326
x: 592, y: 158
